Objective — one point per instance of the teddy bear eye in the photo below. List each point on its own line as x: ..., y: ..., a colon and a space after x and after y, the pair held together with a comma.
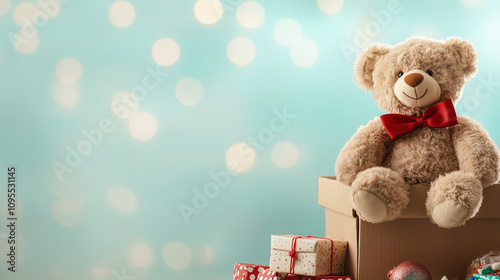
x: 429, y: 72
x: 400, y: 74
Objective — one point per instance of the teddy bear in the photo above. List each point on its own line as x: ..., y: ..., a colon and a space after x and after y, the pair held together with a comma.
x: 421, y: 140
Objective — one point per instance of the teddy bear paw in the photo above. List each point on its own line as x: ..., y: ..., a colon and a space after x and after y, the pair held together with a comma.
x: 449, y: 214
x: 369, y: 206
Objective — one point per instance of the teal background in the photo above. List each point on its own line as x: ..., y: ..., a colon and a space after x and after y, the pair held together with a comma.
x: 91, y: 239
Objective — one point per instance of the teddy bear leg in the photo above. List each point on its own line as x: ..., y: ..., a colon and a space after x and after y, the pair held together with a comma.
x: 454, y: 198
x: 379, y: 194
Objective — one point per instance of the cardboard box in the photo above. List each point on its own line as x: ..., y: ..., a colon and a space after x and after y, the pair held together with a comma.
x: 374, y: 249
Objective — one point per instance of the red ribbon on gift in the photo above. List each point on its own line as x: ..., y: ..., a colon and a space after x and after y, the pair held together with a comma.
x: 292, y: 252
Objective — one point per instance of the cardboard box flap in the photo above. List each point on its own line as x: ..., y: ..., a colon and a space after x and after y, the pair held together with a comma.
x: 335, y: 196
x: 302, y: 245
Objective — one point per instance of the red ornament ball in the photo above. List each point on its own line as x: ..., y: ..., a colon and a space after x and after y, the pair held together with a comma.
x: 409, y: 270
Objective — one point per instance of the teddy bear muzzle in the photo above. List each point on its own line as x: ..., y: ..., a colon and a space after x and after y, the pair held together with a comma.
x: 417, y: 88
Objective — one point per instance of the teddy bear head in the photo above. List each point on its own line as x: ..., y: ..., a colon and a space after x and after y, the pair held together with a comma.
x: 411, y: 76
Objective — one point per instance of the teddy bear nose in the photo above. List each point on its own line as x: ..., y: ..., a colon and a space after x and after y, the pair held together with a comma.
x: 414, y: 79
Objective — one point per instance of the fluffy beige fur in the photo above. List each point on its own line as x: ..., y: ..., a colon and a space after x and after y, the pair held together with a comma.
x: 457, y: 161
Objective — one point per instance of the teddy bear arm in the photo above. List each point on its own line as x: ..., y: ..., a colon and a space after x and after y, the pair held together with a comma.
x: 476, y: 152
x: 366, y: 149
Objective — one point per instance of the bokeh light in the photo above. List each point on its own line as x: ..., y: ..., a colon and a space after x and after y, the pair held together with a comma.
x: 250, y: 14
x: 122, y: 14
x: 287, y: 32
x: 5, y: 6
x: 166, y: 52
x: 122, y: 199
x: 208, y: 11
x: 189, y: 91
x: 68, y: 211
x: 240, y: 157
x: 67, y: 96
x: 124, y: 104
x: 26, y: 42
x: 304, y: 53
x: 69, y: 70
x: 24, y: 13
x: 241, y: 50
x: 141, y: 255
x: 177, y: 255
x: 142, y: 125
x: 330, y: 6
x: 285, y: 154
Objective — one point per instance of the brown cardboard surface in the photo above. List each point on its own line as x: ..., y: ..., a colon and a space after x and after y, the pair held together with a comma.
x: 344, y: 228
x: 374, y: 249
x: 444, y: 252
x: 334, y: 196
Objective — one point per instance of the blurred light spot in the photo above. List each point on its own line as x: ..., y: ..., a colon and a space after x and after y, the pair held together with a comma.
x: 122, y: 14
x: 124, y: 104
x: 67, y: 96
x: 26, y: 41
x: 177, y: 255
x: 142, y: 125
x: 330, y: 6
x: 189, y: 91
x: 24, y: 13
x: 165, y: 52
x: 48, y: 8
x: 250, y: 14
x: 5, y: 6
x: 141, y: 255
x: 69, y: 70
x: 209, y: 254
x: 304, y: 53
x: 100, y: 273
x: 67, y: 211
x: 241, y: 50
x: 287, y: 32
x: 240, y: 157
x: 122, y: 199
x: 208, y: 11
x: 472, y: 2
x: 285, y: 154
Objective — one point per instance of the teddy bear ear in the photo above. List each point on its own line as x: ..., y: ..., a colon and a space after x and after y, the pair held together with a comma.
x: 464, y: 51
x: 365, y: 64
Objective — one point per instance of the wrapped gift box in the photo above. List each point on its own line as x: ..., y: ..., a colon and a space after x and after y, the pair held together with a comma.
x: 246, y: 271
x: 375, y: 249
x: 307, y: 255
x: 269, y: 274
x: 326, y: 278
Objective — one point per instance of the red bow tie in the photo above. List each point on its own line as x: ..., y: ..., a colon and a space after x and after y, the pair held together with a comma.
x: 439, y: 115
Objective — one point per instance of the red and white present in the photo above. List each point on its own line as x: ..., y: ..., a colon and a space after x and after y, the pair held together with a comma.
x: 246, y: 271
x: 326, y: 278
x: 269, y: 274
x: 307, y: 255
